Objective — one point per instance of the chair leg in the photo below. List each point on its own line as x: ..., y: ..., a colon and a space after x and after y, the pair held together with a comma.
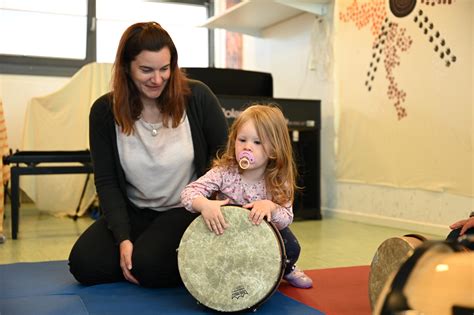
x: 76, y: 215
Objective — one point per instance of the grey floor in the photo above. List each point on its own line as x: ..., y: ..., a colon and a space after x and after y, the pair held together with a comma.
x: 325, y: 244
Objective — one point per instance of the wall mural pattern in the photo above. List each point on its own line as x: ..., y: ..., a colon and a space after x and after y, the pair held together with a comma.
x: 404, y: 96
x: 390, y: 40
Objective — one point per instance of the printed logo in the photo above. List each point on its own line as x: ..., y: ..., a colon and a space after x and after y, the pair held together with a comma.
x: 231, y: 113
x: 239, y: 292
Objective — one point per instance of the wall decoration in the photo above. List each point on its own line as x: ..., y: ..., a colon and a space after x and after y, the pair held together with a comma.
x: 404, y: 93
x: 390, y: 40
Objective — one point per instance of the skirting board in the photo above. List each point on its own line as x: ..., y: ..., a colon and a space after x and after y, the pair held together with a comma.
x: 416, y: 227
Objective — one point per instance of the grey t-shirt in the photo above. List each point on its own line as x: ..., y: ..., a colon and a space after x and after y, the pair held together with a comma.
x: 157, y: 168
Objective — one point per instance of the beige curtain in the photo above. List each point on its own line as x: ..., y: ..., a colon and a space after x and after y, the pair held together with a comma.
x: 59, y: 122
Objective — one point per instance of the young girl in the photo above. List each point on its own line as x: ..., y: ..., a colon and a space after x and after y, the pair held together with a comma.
x: 257, y: 171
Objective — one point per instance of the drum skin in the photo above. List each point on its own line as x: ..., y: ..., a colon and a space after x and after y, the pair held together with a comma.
x: 388, y: 258
x: 235, y: 271
x: 441, y: 279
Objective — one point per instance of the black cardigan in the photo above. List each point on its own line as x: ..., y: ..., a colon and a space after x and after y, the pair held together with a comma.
x: 209, y: 133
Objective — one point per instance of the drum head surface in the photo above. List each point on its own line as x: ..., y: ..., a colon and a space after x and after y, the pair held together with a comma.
x: 390, y: 255
x: 233, y: 271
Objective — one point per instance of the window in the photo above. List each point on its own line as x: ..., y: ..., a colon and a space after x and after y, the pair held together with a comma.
x: 179, y: 20
x: 57, y: 37
x: 24, y: 23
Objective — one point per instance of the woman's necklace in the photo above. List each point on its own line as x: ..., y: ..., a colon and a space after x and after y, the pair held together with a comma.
x: 153, y: 127
x: 154, y: 130
x: 153, y: 114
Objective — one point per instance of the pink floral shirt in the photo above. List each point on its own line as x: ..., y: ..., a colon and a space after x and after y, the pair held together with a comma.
x: 228, y: 183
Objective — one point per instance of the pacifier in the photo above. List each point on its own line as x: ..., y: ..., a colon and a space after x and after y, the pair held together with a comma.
x: 245, y: 159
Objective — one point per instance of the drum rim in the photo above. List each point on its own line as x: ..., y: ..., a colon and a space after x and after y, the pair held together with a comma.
x: 409, y: 241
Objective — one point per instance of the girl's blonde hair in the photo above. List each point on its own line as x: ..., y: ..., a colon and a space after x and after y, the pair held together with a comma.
x: 280, y: 174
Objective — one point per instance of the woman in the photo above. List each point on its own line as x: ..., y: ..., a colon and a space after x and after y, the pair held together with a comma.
x: 152, y: 135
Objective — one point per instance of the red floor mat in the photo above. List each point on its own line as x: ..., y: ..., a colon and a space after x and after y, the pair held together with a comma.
x: 336, y: 291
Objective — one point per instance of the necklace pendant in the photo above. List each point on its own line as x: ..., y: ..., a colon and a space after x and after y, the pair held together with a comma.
x: 154, y: 132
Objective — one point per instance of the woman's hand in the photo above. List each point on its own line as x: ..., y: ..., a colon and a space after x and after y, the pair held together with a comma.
x: 465, y: 224
x: 211, y: 213
x: 261, y: 209
x: 126, y: 249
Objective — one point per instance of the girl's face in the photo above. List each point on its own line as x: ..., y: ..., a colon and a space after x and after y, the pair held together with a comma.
x: 150, y: 71
x: 248, y: 140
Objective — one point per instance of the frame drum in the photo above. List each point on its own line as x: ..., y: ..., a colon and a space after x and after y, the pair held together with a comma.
x: 389, y: 256
x: 235, y: 271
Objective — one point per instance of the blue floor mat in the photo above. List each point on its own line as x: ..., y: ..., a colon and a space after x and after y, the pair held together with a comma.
x: 48, y: 288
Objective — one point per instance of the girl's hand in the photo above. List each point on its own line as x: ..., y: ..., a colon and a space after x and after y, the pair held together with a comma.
x: 212, y: 215
x: 126, y: 249
x: 260, y: 209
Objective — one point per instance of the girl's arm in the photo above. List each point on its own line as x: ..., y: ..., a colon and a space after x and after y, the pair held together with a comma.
x: 195, y: 196
x: 204, y: 186
x: 282, y: 216
x: 279, y: 215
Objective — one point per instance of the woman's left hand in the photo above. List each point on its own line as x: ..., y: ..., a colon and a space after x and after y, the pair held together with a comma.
x: 261, y: 209
x: 126, y: 249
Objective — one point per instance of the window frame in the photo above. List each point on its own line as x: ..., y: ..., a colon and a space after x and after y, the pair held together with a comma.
x: 62, y: 67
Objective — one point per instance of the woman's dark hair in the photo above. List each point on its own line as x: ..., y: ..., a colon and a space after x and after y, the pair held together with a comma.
x: 127, y: 105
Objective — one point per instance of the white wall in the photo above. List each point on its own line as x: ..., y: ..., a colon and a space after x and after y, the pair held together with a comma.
x: 15, y: 93
x: 285, y: 50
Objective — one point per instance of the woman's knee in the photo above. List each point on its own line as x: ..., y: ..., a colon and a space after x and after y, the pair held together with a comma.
x: 94, y: 258
x: 90, y: 270
x: 79, y: 268
x: 154, y: 272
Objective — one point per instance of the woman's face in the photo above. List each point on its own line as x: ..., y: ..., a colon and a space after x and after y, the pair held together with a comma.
x: 150, y: 71
x: 248, y: 140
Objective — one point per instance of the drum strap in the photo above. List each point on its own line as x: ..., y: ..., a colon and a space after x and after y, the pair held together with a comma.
x: 396, y: 301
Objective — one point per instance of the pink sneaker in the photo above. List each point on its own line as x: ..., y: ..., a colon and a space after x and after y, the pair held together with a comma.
x: 298, y: 279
